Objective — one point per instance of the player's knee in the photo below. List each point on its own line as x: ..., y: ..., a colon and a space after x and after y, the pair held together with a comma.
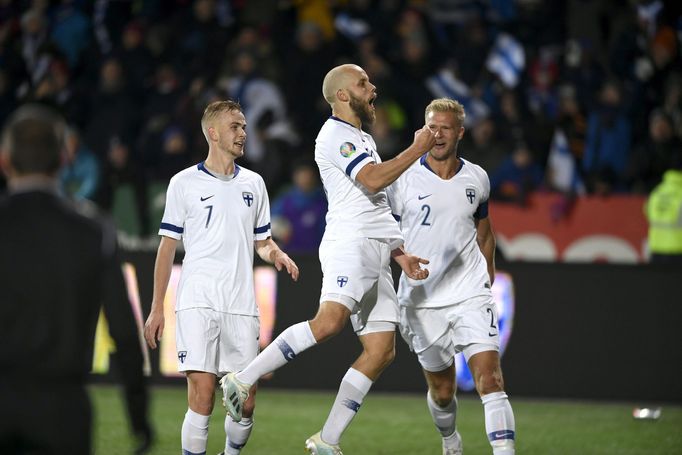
x: 381, y: 356
x: 443, y: 394
x: 202, y: 404
x: 489, y: 381
x: 325, y: 328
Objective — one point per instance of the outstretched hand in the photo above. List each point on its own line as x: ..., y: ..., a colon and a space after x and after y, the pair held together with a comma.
x: 283, y: 261
x: 412, y: 265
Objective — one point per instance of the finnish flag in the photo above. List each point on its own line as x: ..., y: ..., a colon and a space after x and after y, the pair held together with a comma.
x: 444, y: 84
x: 561, y: 166
x: 507, y: 60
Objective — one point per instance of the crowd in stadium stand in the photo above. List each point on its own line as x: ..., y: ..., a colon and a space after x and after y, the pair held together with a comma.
x: 579, y: 96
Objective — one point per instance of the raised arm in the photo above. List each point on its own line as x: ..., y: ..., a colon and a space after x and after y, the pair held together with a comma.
x: 376, y: 177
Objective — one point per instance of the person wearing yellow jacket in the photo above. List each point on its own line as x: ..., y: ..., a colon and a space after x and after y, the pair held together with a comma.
x: 663, y: 210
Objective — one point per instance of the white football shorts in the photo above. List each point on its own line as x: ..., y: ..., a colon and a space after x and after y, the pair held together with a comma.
x: 357, y: 274
x: 215, y: 342
x: 437, y: 334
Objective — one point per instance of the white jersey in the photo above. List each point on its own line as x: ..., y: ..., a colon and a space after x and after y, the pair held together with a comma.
x: 218, y: 220
x: 437, y: 218
x: 341, y: 150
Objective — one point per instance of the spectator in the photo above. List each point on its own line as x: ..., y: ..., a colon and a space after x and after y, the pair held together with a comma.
x: 118, y: 170
x: 79, y: 176
x: 298, y: 214
x: 483, y: 146
x: 266, y: 118
x: 136, y: 59
x: 115, y: 111
x: 516, y: 177
x: 308, y: 61
x: 174, y: 155
x: 607, y: 147
x: 57, y: 89
x: 653, y: 157
x: 70, y: 31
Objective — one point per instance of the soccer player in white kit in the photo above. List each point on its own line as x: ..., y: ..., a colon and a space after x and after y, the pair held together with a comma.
x: 360, y: 237
x: 441, y: 202
x: 222, y: 212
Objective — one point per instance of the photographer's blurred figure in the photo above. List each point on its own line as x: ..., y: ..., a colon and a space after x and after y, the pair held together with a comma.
x: 59, y: 265
x: 663, y: 210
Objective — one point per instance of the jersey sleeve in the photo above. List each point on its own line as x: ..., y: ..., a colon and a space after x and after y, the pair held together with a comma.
x: 173, y: 221
x: 262, y: 229
x: 482, y: 210
x: 347, y: 154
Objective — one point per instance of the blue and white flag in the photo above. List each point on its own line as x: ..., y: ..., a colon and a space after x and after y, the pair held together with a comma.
x: 507, y: 60
x: 562, y: 171
x: 444, y: 84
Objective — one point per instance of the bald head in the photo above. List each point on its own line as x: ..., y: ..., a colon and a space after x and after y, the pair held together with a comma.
x: 338, y: 78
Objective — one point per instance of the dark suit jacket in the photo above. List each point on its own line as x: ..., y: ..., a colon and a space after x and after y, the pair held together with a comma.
x: 58, y: 266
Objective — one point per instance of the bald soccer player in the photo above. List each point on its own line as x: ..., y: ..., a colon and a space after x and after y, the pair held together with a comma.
x: 360, y: 238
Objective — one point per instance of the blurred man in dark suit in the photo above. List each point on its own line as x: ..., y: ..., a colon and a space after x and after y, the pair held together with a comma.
x: 58, y: 265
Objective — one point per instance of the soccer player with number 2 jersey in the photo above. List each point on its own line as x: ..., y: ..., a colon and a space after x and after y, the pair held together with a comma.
x: 441, y: 202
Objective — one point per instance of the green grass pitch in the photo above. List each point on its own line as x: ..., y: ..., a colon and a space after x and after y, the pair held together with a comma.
x: 397, y: 424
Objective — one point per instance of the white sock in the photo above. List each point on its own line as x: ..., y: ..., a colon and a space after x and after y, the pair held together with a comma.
x: 354, y: 386
x: 445, y: 418
x: 285, y: 348
x: 499, y: 423
x: 237, y: 434
x: 194, y: 433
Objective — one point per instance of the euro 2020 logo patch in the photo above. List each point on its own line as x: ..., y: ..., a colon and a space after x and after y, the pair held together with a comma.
x: 347, y: 149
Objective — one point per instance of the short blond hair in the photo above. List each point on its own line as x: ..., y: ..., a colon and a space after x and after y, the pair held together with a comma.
x: 446, y: 105
x: 214, y: 110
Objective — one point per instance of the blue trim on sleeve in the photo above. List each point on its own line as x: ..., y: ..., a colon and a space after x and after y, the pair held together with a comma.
x: 260, y: 230
x: 171, y: 227
x: 355, y: 162
x: 397, y: 217
x: 482, y: 211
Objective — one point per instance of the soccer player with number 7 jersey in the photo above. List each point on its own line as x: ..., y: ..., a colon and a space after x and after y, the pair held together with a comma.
x: 222, y: 212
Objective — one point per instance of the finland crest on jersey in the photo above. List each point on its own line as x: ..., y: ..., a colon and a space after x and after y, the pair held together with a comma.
x: 341, y: 150
x: 437, y: 218
x: 218, y: 221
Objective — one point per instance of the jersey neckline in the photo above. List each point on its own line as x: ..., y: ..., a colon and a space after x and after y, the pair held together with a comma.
x: 425, y: 163
x: 333, y: 117
x: 202, y: 167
